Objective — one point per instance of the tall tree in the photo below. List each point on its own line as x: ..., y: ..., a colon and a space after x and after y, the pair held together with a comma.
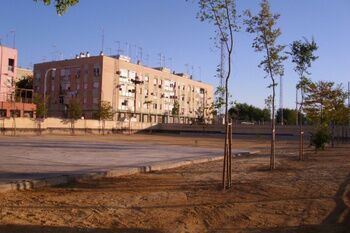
x: 264, y: 26
x: 61, y: 5
x: 222, y: 14
x: 302, y: 53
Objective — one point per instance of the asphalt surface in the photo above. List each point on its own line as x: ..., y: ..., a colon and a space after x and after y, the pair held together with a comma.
x: 28, y: 159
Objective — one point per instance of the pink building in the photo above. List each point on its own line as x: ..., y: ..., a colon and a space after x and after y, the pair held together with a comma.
x: 9, y: 104
x: 8, y: 73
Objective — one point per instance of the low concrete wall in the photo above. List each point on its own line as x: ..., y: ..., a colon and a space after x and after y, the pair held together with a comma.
x: 30, y: 126
x: 11, y: 126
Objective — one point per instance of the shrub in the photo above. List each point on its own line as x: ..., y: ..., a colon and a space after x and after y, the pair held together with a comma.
x: 320, y: 138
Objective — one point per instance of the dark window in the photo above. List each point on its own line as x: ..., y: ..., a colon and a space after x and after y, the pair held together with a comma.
x: 2, y: 112
x: 11, y: 64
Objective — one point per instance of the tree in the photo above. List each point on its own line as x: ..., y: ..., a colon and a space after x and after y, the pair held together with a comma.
x: 222, y: 14
x: 264, y: 26
x: 104, y: 112
x: 302, y: 53
x: 25, y: 82
x: 41, y: 107
x: 176, y: 109
x: 74, y: 112
x: 41, y: 110
x: 245, y: 112
x: 61, y: 5
x: 24, y: 88
x: 289, y: 116
x: 325, y: 106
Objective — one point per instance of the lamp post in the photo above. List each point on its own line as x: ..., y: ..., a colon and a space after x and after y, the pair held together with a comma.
x: 46, y: 73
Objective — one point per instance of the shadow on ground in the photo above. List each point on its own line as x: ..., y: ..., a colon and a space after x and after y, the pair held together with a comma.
x: 58, y: 229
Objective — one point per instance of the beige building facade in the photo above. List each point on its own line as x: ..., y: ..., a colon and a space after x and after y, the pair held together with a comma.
x: 134, y: 91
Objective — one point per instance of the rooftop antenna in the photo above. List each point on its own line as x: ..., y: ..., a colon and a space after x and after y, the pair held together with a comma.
x: 127, y: 49
x: 170, y: 63
x: 140, y: 58
x: 102, y: 39
x: 192, y: 71
x: 117, y: 42
x: 13, y: 32
x: 160, y: 59
x: 147, y: 59
x: 200, y: 73
x: 187, y: 68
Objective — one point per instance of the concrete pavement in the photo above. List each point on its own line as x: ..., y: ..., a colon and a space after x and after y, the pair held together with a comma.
x: 27, y: 163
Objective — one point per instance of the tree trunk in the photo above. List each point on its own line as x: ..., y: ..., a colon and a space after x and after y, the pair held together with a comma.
x: 273, y: 129
x: 301, y: 130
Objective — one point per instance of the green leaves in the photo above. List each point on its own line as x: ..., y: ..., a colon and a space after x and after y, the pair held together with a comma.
x: 74, y: 109
x: 263, y: 25
x: 61, y: 5
x: 325, y: 103
x: 302, y: 53
x: 105, y: 111
x: 176, y: 109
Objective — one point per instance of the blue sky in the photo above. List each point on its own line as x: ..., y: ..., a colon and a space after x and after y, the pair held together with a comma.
x: 170, y: 27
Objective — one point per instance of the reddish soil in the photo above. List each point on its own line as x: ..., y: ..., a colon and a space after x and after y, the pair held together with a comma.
x: 308, y: 196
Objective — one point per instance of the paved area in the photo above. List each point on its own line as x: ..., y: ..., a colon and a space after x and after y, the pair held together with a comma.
x: 29, y: 159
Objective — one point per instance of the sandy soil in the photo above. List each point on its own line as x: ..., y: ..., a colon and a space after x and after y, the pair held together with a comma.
x: 309, y: 196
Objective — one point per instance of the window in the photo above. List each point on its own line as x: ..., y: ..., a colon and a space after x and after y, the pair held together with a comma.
x: 123, y: 73
x: 78, y: 74
x: 37, y: 75
x: 2, y: 112
x: 11, y: 64
x: 96, y: 71
x: 96, y: 85
x: 63, y: 72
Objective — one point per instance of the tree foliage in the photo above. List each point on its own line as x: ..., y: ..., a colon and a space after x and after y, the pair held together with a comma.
x: 74, y: 109
x: 302, y: 54
x: 61, y: 5
x: 325, y: 103
x: 245, y: 112
x: 25, y: 82
x: 41, y: 106
x: 176, y: 109
x: 289, y: 116
x: 105, y: 111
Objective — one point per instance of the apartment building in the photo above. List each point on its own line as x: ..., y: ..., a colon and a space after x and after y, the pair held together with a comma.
x: 11, y: 102
x: 133, y: 90
x: 8, y: 72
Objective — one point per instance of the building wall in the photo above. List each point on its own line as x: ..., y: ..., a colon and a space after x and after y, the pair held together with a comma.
x: 8, y: 72
x: 23, y: 73
x: 8, y: 109
x: 103, y: 78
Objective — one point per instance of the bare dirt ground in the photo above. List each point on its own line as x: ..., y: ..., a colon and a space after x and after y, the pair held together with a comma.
x: 309, y: 196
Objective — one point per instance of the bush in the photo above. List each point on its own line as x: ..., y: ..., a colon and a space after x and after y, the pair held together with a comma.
x: 320, y: 138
